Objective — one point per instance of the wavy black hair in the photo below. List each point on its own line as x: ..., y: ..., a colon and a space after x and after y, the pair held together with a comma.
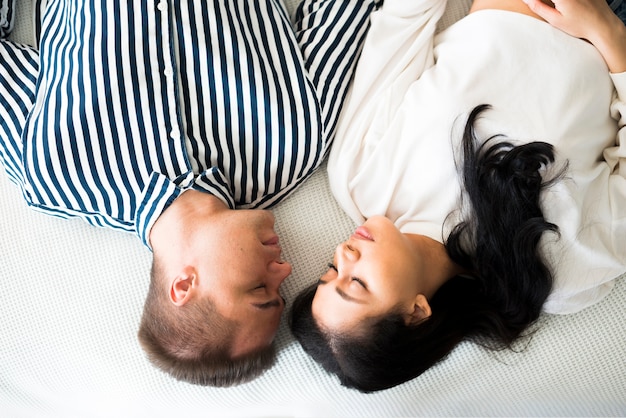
x: 498, y: 241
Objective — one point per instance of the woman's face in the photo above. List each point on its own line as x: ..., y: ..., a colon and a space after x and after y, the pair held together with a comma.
x: 374, y: 272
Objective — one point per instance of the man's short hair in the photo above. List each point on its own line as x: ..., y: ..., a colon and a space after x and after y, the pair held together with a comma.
x: 192, y: 342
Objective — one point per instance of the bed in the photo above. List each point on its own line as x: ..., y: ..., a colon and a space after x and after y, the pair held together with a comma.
x: 72, y: 296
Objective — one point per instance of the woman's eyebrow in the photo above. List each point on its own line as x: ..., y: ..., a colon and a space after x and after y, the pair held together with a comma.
x: 349, y: 298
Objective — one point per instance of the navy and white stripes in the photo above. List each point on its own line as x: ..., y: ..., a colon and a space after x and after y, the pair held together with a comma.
x: 139, y: 100
x: 18, y: 77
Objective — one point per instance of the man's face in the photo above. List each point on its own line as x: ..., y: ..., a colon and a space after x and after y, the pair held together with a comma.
x: 240, y: 262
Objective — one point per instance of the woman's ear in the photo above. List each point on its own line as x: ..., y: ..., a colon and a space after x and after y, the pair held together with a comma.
x: 421, y: 310
x: 181, y: 287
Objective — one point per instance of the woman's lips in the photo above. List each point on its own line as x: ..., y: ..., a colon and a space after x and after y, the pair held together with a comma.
x: 362, y: 233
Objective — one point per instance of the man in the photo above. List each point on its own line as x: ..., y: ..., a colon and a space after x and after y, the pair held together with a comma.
x: 162, y: 118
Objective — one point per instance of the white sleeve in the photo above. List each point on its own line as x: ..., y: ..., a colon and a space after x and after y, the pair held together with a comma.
x: 616, y: 155
x: 398, y: 48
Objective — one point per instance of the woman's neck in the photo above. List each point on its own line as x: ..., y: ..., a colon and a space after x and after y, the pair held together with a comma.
x: 436, y: 265
x: 517, y: 6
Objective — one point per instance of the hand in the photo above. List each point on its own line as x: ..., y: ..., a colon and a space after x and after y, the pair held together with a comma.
x: 592, y: 20
x: 579, y: 18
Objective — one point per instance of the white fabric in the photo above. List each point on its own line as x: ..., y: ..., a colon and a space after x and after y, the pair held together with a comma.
x: 69, y: 318
x: 397, y: 147
x: 7, y: 17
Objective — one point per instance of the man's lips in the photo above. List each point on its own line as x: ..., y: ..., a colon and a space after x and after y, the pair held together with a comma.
x: 272, y: 241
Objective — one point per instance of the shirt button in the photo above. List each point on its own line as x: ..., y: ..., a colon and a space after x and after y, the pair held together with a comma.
x: 162, y: 6
x: 168, y: 72
x: 174, y: 133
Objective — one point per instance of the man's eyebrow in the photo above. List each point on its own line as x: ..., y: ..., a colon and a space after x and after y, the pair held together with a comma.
x: 275, y: 303
x: 347, y: 297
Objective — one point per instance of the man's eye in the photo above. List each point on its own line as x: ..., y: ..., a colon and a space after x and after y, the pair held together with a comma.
x: 261, y: 286
x: 332, y: 266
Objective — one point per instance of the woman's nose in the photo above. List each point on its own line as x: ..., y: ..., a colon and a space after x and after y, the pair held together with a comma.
x: 349, y: 252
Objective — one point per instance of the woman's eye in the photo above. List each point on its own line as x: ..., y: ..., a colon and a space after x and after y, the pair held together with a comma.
x: 354, y: 279
x: 360, y: 282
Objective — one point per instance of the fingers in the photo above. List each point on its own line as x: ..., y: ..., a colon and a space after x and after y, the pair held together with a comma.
x: 548, y: 13
x: 592, y: 20
x: 579, y: 18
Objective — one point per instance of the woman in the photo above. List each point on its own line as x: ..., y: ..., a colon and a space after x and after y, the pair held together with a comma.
x: 469, y: 234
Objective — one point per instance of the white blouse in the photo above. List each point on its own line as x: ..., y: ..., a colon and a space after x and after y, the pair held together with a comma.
x: 400, y: 131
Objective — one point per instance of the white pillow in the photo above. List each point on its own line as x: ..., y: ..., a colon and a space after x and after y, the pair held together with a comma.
x: 7, y: 17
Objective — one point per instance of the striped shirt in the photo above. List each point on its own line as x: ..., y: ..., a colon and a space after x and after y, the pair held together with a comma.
x: 136, y: 101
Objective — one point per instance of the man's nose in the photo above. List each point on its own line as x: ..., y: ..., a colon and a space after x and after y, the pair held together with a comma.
x: 268, y: 215
x: 279, y: 271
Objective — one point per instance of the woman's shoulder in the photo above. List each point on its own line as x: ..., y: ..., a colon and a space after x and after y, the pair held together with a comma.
x: 517, y: 6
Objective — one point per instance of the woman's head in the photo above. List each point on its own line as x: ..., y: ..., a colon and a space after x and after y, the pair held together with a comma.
x: 377, y: 271
x: 383, y: 343
x: 370, y: 314
x: 382, y: 352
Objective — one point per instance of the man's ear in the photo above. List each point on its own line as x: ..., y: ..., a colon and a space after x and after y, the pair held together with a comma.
x: 421, y: 310
x: 183, y: 285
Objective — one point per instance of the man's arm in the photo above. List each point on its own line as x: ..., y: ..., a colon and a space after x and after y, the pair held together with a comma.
x: 18, y: 76
x: 330, y: 35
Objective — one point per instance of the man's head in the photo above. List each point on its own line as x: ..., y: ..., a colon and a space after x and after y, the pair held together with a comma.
x: 214, y: 306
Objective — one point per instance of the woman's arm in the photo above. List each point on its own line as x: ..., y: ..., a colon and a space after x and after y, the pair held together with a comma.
x: 592, y: 20
x: 398, y: 49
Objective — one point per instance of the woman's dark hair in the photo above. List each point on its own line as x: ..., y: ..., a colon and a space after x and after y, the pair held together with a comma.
x: 498, y: 240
